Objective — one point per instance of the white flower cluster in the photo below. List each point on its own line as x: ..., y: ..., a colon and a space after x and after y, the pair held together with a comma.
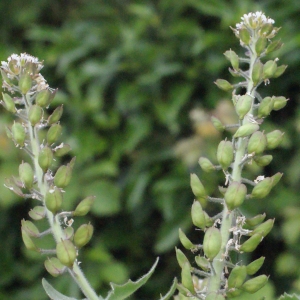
x: 254, y: 20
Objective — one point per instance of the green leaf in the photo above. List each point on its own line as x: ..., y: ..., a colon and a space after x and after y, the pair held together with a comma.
x: 53, y: 293
x: 286, y: 296
x: 120, y: 292
x: 170, y: 292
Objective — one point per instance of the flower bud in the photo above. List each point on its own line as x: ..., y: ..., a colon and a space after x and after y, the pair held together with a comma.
x: 243, y: 105
x: 257, y: 143
x: 18, y: 134
x: 279, y: 71
x: 37, y: 213
x: 9, y: 103
x: 66, y: 252
x: 217, y: 124
x: 186, y: 278
x: 54, y: 266
x: 260, y: 45
x: 53, y: 199
x: 269, y: 69
x: 225, y: 154
x: 252, y: 222
x: 279, y: 102
x: 233, y: 58
x: 45, y: 158
x: 63, y: 176
x: 253, y: 285
x: 246, y: 130
x: 275, y: 178
x: 262, y: 189
x: 29, y: 244
x: 30, y: 228
x: 53, y: 133
x: 235, y: 195
x: 212, y: 242
x: 202, y: 262
x: 83, y: 235
x: 237, y: 277
x: 25, y: 83
x: 274, y: 139
x: 186, y: 243
x: 263, y: 161
x: 56, y: 115
x: 264, y: 228
x: 198, y: 217
x: 244, y: 36
x: 84, y: 206
x: 181, y: 258
x: 224, y: 85
x: 275, y: 45
x: 197, y: 187
x: 206, y: 164
x: 265, y: 107
x: 26, y: 175
x: 254, y: 266
x: 35, y: 114
x: 257, y: 73
x: 251, y: 244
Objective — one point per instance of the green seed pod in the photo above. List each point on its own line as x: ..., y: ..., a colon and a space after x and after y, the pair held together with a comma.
x: 262, y: 189
x: 63, y: 176
x: 37, y: 213
x: 35, y: 114
x: 18, y: 134
x: 280, y: 70
x: 45, y: 158
x: 9, y: 103
x: 253, y: 285
x: 69, y: 233
x: 251, y: 244
x: 198, y: 217
x: 29, y: 244
x: 217, y: 124
x: 186, y: 243
x: 30, y: 228
x: 26, y: 175
x: 25, y: 83
x: 66, y: 252
x: 274, y: 139
x: 56, y: 115
x: 186, y: 278
x: 233, y: 293
x: 257, y: 73
x: 62, y: 150
x: 254, y: 266
x: 237, y: 277
x: 208, y: 220
x: 202, y: 262
x: 215, y: 297
x: 224, y: 85
x: 53, y: 199
x: 275, y: 45
x: 257, y: 143
x: 244, y: 36
x: 44, y: 97
x: 265, y: 107
x: 263, y: 161
x: 243, y: 105
x: 279, y: 102
x: 5, y: 78
x: 266, y: 29
x: 235, y: 195
x: 246, y: 130
x: 83, y: 235
x: 269, y: 69
x: 197, y: 187
x: 54, y: 266
x: 181, y: 258
x: 84, y: 206
x: 233, y: 58
x: 206, y: 164
x: 53, y: 133
x: 183, y: 292
x: 252, y: 222
x: 225, y: 154
x: 260, y: 45
x: 275, y: 178
x: 264, y: 228
x: 212, y: 242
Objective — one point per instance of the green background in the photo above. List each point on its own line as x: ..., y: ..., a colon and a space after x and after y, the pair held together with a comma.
x: 136, y: 80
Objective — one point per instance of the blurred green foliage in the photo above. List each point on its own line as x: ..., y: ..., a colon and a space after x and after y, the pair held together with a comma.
x: 136, y: 80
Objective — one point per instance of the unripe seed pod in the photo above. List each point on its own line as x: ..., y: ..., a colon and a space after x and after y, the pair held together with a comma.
x: 198, y: 217
x: 53, y: 133
x: 246, y: 130
x: 269, y: 69
x: 56, y: 115
x: 251, y: 244
x: 264, y: 228
x: 206, y: 164
x: 66, y: 252
x: 202, y: 262
x: 29, y: 244
x: 54, y: 266
x: 45, y: 158
x: 257, y: 73
x: 233, y: 293
x: 243, y: 105
x: 30, y: 228
x: 181, y: 258
x: 274, y: 139
x: 275, y: 178
x: 265, y: 107
x: 280, y: 70
x: 35, y: 114
x: 26, y: 175
x: 63, y: 176
x: 84, y: 206
x: 9, y: 103
x: 253, y: 285
x: 264, y: 160
x: 224, y: 85
x: 275, y: 45
x: 233, y: 58
x: 197, y: 187
x: 212, y: 242
x: 83, y: 235
x: 237, y: 277
x: 182, y: 290
x: 186, y: 278
x: 215, y: 297
x: 44, y: 97
x: 208, y: 220
x: 217, y: 124
x: 257, y: 143
x: 235, y: 195
x: 254, y: 266
x: 266, y: 29
x: 225, y: 154
x: 260, y: 45
x: 279, y: 102
x: 69, y: 233
x: 37, y: 213
x: 62, y: 149
x: 262, y: 189
x: 18, y: 133
x: 244, y: 36
x: 5, y: 78
x: 186, y: 243
x: 53, y: 199
x: 25, y: 83
x: 252, y: 222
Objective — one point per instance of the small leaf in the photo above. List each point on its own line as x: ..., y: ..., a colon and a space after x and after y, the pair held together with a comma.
x: 170, y: 292
x: 120, y: 292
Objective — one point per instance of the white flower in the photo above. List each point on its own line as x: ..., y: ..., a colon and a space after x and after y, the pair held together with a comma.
x: 254, y: 20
